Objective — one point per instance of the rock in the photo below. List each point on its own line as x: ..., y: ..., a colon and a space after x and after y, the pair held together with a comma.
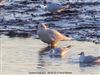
x: 11, y: 34
x: 24, y: 34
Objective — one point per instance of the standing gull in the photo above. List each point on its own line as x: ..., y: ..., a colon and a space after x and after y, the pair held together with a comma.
x: 87, y: 59
x: 50, y: 36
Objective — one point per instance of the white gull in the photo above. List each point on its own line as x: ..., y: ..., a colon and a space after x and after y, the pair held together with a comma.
x: 50, y: 36
x: 87, y: 59
x: 53, y: 6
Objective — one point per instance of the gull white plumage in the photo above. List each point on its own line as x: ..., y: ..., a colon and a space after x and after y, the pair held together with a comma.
x: 88, y: 59
x: 50, y: 36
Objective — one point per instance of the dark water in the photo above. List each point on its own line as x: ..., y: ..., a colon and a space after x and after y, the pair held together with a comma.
x: 81, y: 21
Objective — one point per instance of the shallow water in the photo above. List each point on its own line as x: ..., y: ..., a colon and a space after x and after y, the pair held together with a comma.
x: 26, y: 56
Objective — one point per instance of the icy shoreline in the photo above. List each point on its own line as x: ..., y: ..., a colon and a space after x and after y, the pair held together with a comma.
x: 21, y: 56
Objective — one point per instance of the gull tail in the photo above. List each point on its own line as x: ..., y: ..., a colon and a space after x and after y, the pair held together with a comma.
x: 98, y: 57
x: 69, y: 46
x: 69, y: 38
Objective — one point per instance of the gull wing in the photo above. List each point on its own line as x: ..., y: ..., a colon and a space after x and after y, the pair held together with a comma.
x: 89, y: 59
x: 55, y: 35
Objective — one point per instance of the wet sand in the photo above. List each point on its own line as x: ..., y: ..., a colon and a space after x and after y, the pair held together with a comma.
x: 22, y: 57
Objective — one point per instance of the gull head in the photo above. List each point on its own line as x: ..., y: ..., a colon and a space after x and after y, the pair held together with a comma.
x: 43, y: 26
x: 82, y: 53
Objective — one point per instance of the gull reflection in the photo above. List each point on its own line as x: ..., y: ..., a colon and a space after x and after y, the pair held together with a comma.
x: 88, y: 64
x: 47, y: 54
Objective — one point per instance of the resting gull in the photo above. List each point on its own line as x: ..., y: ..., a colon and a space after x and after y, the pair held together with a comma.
x: 53, y: 6
x: 59, y: 52
x: 50, y: 36
x: 87, y: 59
